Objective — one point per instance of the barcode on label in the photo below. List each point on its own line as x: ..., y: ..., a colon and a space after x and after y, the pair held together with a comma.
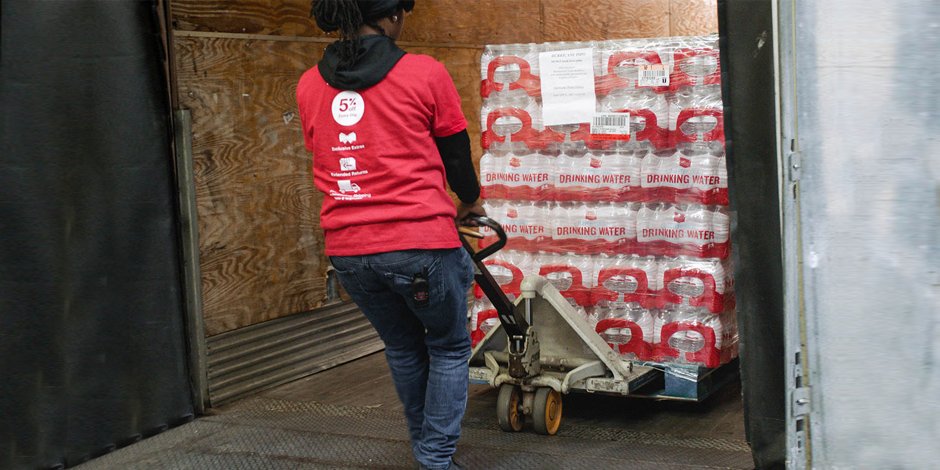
x: 611, y: 120
x: 653, y: 75
x: 611, y: 126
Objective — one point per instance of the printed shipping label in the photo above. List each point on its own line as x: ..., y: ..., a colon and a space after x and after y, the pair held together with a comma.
x: 611, y: 126
x: 653, y: 75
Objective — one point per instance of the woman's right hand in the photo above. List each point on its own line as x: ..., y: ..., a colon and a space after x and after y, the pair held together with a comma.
x: 464, y: 211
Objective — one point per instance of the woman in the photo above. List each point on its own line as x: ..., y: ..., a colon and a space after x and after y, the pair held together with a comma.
x: 386, y: 130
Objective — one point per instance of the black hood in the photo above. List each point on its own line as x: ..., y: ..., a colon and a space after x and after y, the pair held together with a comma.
x: 376, y: 56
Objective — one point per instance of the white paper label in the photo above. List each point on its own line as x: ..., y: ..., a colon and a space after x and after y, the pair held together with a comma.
x: 616, y: 125
x: 653, y: 75
x: 567, y: 86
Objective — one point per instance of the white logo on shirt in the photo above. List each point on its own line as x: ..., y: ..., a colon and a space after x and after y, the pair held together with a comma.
x: 347, y: 138
x: 347, y: 186
x: 347, y: 164
x: 348, y: 108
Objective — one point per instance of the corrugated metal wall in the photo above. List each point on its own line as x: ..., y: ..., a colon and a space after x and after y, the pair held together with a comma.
x: 251, y: 359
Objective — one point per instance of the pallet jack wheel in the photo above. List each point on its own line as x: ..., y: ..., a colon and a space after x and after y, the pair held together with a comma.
x: 546, y: 411
x: 509, y: 408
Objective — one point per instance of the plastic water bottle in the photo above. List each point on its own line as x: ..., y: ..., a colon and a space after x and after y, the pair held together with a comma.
x: 649, y: 115
x: 628, y: 330
x: 696, y: 62
x: 578, y: 177
x: 688, y: 335
x: 708, y: 179
x: 570, y: 274
x: 508, y: 71
x: 697, y: 282
x: 663, y: 178
x: 620, y: 176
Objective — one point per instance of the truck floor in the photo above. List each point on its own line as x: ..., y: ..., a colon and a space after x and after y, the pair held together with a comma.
x: 349, y: 417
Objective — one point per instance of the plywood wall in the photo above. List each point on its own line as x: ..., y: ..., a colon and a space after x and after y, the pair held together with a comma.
x: 237, y: 64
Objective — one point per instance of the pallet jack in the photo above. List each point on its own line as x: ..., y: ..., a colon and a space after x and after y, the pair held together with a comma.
x: 541, y: 349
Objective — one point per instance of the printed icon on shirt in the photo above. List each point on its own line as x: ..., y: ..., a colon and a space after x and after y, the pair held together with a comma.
x: 347, y: 186
x: 348, y: 108
x: 347, y: 138
x: 347, y: 164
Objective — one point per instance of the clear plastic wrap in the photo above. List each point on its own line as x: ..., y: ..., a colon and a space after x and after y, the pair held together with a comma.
x: 709, y: 179
x: 509, y: 268
x: 635, y: 76
x: 629, y: 330
x: 534, y: 226
x: 517, y: 120
x: 621, y: 172
x: 623, y: 279
x: 689, y: 336
x: 578, y: 134
x: 527, y: 224
x: 632, y: 230
x: 593, y: 228
x: 696, y: 62
x: 572, y: 275
x: 649, y: 115
x: 705, y: 283
x: 685, y: 177
x: 591, y: 315
x: 683, y: 230
x: 571, y: 232
x: 577, y: 176
x: 696, y: 119
x: 622, y: 66
x: 510, y: 70
x: 498, y: 210
x: 519, y: 177
x: 616, y: 227
x: 729, y: 337
x: 601, y: 177
x: 483, y: 317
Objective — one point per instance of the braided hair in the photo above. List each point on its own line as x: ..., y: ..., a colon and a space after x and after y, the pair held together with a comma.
x: 346, y: 17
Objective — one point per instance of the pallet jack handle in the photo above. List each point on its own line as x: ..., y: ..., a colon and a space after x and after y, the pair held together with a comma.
x: 513, y: 323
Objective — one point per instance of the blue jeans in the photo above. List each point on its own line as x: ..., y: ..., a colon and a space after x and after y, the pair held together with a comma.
x: 427, y: 346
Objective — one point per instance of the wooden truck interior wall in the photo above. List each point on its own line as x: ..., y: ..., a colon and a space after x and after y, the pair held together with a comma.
x: 237, y: 65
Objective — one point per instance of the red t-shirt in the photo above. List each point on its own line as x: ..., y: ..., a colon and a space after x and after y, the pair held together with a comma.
x: 375, y: 160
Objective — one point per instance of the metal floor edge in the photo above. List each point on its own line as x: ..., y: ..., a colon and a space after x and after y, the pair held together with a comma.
x: 264, y: 433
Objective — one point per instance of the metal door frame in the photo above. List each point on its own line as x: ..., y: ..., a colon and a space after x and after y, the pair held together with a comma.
x: 860, y: 215
x: 789, y: 162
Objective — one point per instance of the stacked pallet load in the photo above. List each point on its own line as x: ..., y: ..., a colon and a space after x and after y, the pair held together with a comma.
x: 625, y: 214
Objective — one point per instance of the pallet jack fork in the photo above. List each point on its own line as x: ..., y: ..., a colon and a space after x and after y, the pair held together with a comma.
x: 541, y: 349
